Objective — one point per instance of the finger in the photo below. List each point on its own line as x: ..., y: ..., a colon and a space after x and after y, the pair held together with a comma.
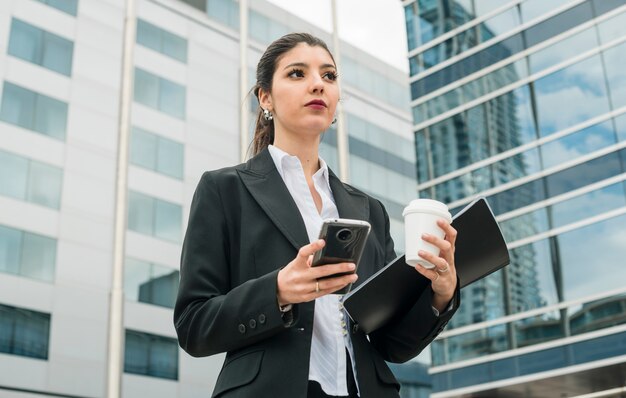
x: 308, y: 250
x: 331, y: 285
x: 442, y: 244
x: 322, y: 271
x: 428, y: 273
x: 438, y: 262
x: 449, y: 230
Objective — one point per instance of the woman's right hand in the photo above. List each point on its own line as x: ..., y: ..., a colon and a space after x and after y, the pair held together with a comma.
x: 299, y: 282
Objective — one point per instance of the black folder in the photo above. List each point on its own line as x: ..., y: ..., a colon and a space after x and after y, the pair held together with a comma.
x: 392, y: 291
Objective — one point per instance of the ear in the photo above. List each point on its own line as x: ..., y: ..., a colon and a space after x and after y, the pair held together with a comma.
x: 265, y: 99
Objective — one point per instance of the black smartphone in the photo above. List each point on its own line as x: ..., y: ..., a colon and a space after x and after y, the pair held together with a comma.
x: 345, y: 241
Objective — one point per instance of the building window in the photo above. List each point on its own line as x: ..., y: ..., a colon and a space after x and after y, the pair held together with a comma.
x: 43, y: 48
x: 27, y: 254
x: 154, y: 217
x: 33, y: 111
x: 159, y: 93
x: 160, y: 40
x: 151, y: 355
x: 24, y: 332
x: 156, y: 153
x: 150, y: 283
x: 67, y: 6
x: 29, y: 180
x: 265, y: 30
x: 224, y: 11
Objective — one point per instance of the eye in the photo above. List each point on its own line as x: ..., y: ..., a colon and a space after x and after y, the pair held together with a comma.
x: 296, y: 73
x: 331, y: 75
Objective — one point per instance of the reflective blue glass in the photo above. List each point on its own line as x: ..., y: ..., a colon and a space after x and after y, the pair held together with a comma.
x: 160, y: 40
x: 150, y: 283
x: 33, y: 111
x: 24, y: 332
x: 41, y: 47
x: 525, y: 225
x: 588, y: 205
x: 577, y: 144
x: 600, y: 244
x: 571, y: 95
x: 168, y: 221
x: 146, y: 88
x: 13, y: 175
x: 38, y: 257
x: 170, y: 158
x: 18, y: 105
x: 499, y: 51
x: 224, y: 11
x: 612, y: 28
x: 614, y: 59
x: 151, y: 355
x: 620, y: 127
x: 50, y: 117
x: 10, y: 250
x: 44, y: 185
x: 172, y: 98
x: 563, y: 50
x: 67, y: 6
x: 140, y: 213
x: 143, y: 148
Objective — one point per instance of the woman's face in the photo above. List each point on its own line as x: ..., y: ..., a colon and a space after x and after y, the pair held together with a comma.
x: 304, y: 91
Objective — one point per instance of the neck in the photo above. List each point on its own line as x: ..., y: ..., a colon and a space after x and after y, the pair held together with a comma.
x: 305, y: 149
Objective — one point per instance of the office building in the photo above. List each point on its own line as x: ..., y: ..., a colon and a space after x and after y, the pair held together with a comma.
x: 524, y: 102
x: 61, y: 71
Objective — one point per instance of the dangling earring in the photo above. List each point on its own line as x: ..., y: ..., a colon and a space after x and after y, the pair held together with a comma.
x: 267, y: 115
x: 334, y: 121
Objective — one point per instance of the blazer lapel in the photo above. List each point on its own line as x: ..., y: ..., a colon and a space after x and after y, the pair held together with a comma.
x: 350, y: 203
x: 269, y: 190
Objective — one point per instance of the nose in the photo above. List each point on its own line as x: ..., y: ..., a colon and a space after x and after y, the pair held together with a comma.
x: 317, y: 85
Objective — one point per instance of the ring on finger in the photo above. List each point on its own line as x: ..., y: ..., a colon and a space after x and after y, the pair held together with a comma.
x: 443, y: 270
x: 317, y: 286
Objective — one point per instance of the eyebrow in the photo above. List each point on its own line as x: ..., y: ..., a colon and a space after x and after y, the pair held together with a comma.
x: 304, y: 65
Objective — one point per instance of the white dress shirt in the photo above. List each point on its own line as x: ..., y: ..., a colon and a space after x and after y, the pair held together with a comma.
x: 330, y: 337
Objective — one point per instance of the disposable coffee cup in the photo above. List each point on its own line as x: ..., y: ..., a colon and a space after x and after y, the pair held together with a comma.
x: 420, y: 217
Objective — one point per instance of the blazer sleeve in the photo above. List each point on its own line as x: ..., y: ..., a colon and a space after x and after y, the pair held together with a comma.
x: 404, y: 338
x: 211, y: 315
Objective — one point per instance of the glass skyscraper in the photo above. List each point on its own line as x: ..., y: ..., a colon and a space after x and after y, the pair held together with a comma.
x: 524, y: 102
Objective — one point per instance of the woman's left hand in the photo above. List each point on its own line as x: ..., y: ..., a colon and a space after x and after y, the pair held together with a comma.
x: 443, y: 276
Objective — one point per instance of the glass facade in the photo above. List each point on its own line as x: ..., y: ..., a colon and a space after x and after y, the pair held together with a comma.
x: 150, y: 283
x: 24, y: 332
x: 40, y: 47
x: 33, y: 111
x: 27, y: 254
x: 154, y: 217
x: 156, y: 153
x: 151, y: 355
x: 533, y: 119
x: 160, y: 94
x: 67, y: 6
x: 161, y: 40
x: 29, y: 180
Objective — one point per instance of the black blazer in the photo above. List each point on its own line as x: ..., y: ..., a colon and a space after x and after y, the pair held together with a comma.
x: 243, y: 227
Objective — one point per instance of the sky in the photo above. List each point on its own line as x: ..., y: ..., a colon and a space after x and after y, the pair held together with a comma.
x: 377, y: 28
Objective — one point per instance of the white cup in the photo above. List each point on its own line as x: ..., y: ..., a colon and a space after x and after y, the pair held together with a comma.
x: 420, y: 217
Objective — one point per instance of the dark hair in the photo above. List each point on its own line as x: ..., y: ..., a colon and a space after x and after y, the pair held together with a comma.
x: 264, y: 129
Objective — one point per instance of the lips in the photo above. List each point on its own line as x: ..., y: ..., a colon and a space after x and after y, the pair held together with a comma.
x: 316, y: 103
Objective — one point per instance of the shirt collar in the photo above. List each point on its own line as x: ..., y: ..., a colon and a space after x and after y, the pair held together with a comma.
x: 282, y: 159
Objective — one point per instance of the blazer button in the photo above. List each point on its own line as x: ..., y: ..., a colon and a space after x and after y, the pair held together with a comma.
x: 252, y: 324
x: 242, y: 328
x: 262, y: 319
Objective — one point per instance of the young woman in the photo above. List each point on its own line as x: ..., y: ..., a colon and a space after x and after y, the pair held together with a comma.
x: 247, y: 286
